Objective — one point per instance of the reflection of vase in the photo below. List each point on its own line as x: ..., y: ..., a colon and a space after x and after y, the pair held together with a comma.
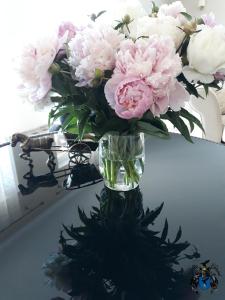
x: 121, y: 160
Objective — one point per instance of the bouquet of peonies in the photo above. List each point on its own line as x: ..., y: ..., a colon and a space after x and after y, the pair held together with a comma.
x: 126, y: 76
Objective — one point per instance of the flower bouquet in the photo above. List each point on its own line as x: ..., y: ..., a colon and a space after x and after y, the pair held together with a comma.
x: 114, y: 80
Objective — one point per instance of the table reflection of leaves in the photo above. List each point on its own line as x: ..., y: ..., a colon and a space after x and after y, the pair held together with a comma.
x: 116, y: 254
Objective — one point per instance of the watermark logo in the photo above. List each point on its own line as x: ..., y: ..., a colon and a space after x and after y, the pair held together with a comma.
x: 205, y: 277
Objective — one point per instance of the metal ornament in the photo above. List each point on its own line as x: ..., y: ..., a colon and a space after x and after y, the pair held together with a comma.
x: 82, y: 173
x: 33, y: 144
x: 79, y: 153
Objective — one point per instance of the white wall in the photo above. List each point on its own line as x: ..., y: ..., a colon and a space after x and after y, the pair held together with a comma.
x: 148, y: 4
x: 216, y: 6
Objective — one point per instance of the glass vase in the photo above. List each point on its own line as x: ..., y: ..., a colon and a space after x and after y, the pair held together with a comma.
x: 121, y: 160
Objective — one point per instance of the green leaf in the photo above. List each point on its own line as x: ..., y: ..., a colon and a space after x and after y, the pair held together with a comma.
x: 175, y: 119
x: 59, y: 112
x: 189, y: 86
x: 155, y: 8
x: 100, y: 13
x: 148, y: 116
x: 57, y: 99
x: 185, y: 114
x: 191, y: 123
x: 187, y: 16
x: 118, y: 26
x: 108, y: 73
x: 215, y: 85
x: 51, y: 115
x: 150, y: 129
x: 78, y: 99
x: 157, y: 122
x: 70, y: 121
x: 94, y: 17
x: 112, y: 124
x: 74, y: 90
x: 60, y: 85
x: 72, y: 127
x: 82, y: 120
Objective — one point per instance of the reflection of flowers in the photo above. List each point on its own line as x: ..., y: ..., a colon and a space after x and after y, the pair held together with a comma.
x: 57, y: 269
x: 115, y: 252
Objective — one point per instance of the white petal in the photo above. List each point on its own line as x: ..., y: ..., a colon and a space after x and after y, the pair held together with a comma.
x: 193, y: 76
x: 221, y: 70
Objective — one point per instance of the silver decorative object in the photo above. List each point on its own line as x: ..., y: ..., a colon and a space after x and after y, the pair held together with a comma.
x: 31, y: 144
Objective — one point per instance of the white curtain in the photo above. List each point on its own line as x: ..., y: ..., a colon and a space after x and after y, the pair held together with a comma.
x: 10, y: 208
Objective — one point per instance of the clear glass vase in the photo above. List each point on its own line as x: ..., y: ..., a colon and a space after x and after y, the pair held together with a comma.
x: 121, y: 160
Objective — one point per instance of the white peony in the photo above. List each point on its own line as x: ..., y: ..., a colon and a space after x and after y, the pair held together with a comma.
x: 206, y: 54
x: 173, y: 10
x: 164, y: 26
x: 131, y: 8
x: 33, y: 66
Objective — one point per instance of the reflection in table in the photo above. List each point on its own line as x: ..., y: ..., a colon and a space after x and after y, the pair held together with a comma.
x: 189, y: 179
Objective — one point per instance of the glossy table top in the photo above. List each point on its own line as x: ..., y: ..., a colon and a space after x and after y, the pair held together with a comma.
x: 188, y: 178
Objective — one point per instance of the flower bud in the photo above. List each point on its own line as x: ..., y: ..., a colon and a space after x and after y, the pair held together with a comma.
x: 98, y: 74
x: 126, y: 19
x: 190, y: 27
x: 54, y: 68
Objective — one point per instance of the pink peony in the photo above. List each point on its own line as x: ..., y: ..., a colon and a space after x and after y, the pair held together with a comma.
x: 173, y: 10
x: 209, y: 20
x: 129, y: 97
x: 93, y: 48
x: 155, y: 63
x: 67, y: 28
x: 33, y: 66
x: 175, y: 99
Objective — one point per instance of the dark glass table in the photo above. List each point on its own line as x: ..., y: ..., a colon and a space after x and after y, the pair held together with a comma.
x: 189, y: 179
